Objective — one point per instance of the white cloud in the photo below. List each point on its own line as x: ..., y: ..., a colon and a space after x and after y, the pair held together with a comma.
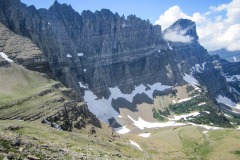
x: 175, y: 36
x: 170, y: 16
x: 217, y: 28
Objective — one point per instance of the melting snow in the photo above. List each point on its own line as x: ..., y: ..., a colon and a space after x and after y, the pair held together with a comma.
x: 69, y: 56
x: 238, y: 128
x: 227, y: 101
x: 205, y: 132
x: 190, y: 79
x: 184, y: 116
x: 122, y: 130
x: 169, y: 46
x: 103, y: 109
x: 82, y: 86
x: 116, y: 92
x: 203, y: 103
x: 205, y: 126
x: 232, y: 78
x: 141, y: 124
x: 199, y: 67
x: 185, y: 99
x: 145, y: 135
x: 136, y: 145
x: 4, y: 56
x: 80, y: 54
x: 203, y: 65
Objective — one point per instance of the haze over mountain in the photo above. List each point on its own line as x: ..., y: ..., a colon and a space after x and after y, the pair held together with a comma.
x: 83, y: 72
x: 231, y: 56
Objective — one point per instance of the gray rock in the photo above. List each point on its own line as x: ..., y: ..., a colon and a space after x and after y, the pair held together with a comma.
x: 16, y: 142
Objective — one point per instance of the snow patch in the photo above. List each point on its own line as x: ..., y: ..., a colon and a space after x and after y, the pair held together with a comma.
x: 49, y: 23
x: 207, y: 112
x: 205, y: 132
x: 227, y: 101
x: 185, y: 99
x: 205, y: 126
x: 199, y: 67
x: 116, y: 92
x: 184, y: 116
x: 232, y: 78
x: 69, y: 56
x: 85, y: 70
x: 103, y: 109
x: 169, y: 46
x: 4, y: 56
x: 203, y: 65
x: 136, y: 145
x: 190, y: 79
x: 82, y: 85
x: 145, y: 135
x: 80, y: 54
x: 122, y: 130
x: 141, y: 124
x: 201, y: 104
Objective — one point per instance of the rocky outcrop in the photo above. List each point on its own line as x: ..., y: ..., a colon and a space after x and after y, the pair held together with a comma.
x: 23, y: 51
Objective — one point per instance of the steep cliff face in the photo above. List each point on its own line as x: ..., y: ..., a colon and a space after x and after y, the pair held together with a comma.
x: 99, y: 49
x: 32, y: 95
x: 102, y: 55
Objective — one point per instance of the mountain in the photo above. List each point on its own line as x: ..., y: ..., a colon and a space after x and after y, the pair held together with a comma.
x: 79, y: 72
x: 227, y: 55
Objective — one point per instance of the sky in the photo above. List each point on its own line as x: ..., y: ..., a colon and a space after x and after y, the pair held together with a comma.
x: 218, y: 22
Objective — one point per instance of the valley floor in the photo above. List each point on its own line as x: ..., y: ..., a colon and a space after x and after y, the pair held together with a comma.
x: 20, y: 139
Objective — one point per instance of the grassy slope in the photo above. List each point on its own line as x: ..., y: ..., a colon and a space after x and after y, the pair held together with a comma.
x: 65, y: 145
x: 18, y: 83
x: 189, y: 142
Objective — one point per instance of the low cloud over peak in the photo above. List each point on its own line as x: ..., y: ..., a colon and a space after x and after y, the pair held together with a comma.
x: 175, y: 36
x: 216, y: 29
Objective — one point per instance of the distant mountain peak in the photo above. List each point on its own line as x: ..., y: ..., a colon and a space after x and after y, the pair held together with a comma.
x: 184, y: 27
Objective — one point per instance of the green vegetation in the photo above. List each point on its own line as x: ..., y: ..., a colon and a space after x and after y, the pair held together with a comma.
x: 209, y: 112
x: 236, y: 152
x: 189, y: 88
x: 160, y: 115
x: 192, y: 105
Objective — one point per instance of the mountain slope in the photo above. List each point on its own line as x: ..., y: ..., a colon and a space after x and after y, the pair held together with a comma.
x: 164, y: 96
x: 106, y: 58
x: 227, y: 55
x: 31, y: 95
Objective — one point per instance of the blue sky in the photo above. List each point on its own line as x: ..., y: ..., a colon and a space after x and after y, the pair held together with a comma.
x: 145, y: 9
x: 218, y: 22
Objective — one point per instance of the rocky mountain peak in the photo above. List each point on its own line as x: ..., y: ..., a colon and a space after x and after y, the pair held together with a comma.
x: 184, y: 27
x: 61, y: 7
